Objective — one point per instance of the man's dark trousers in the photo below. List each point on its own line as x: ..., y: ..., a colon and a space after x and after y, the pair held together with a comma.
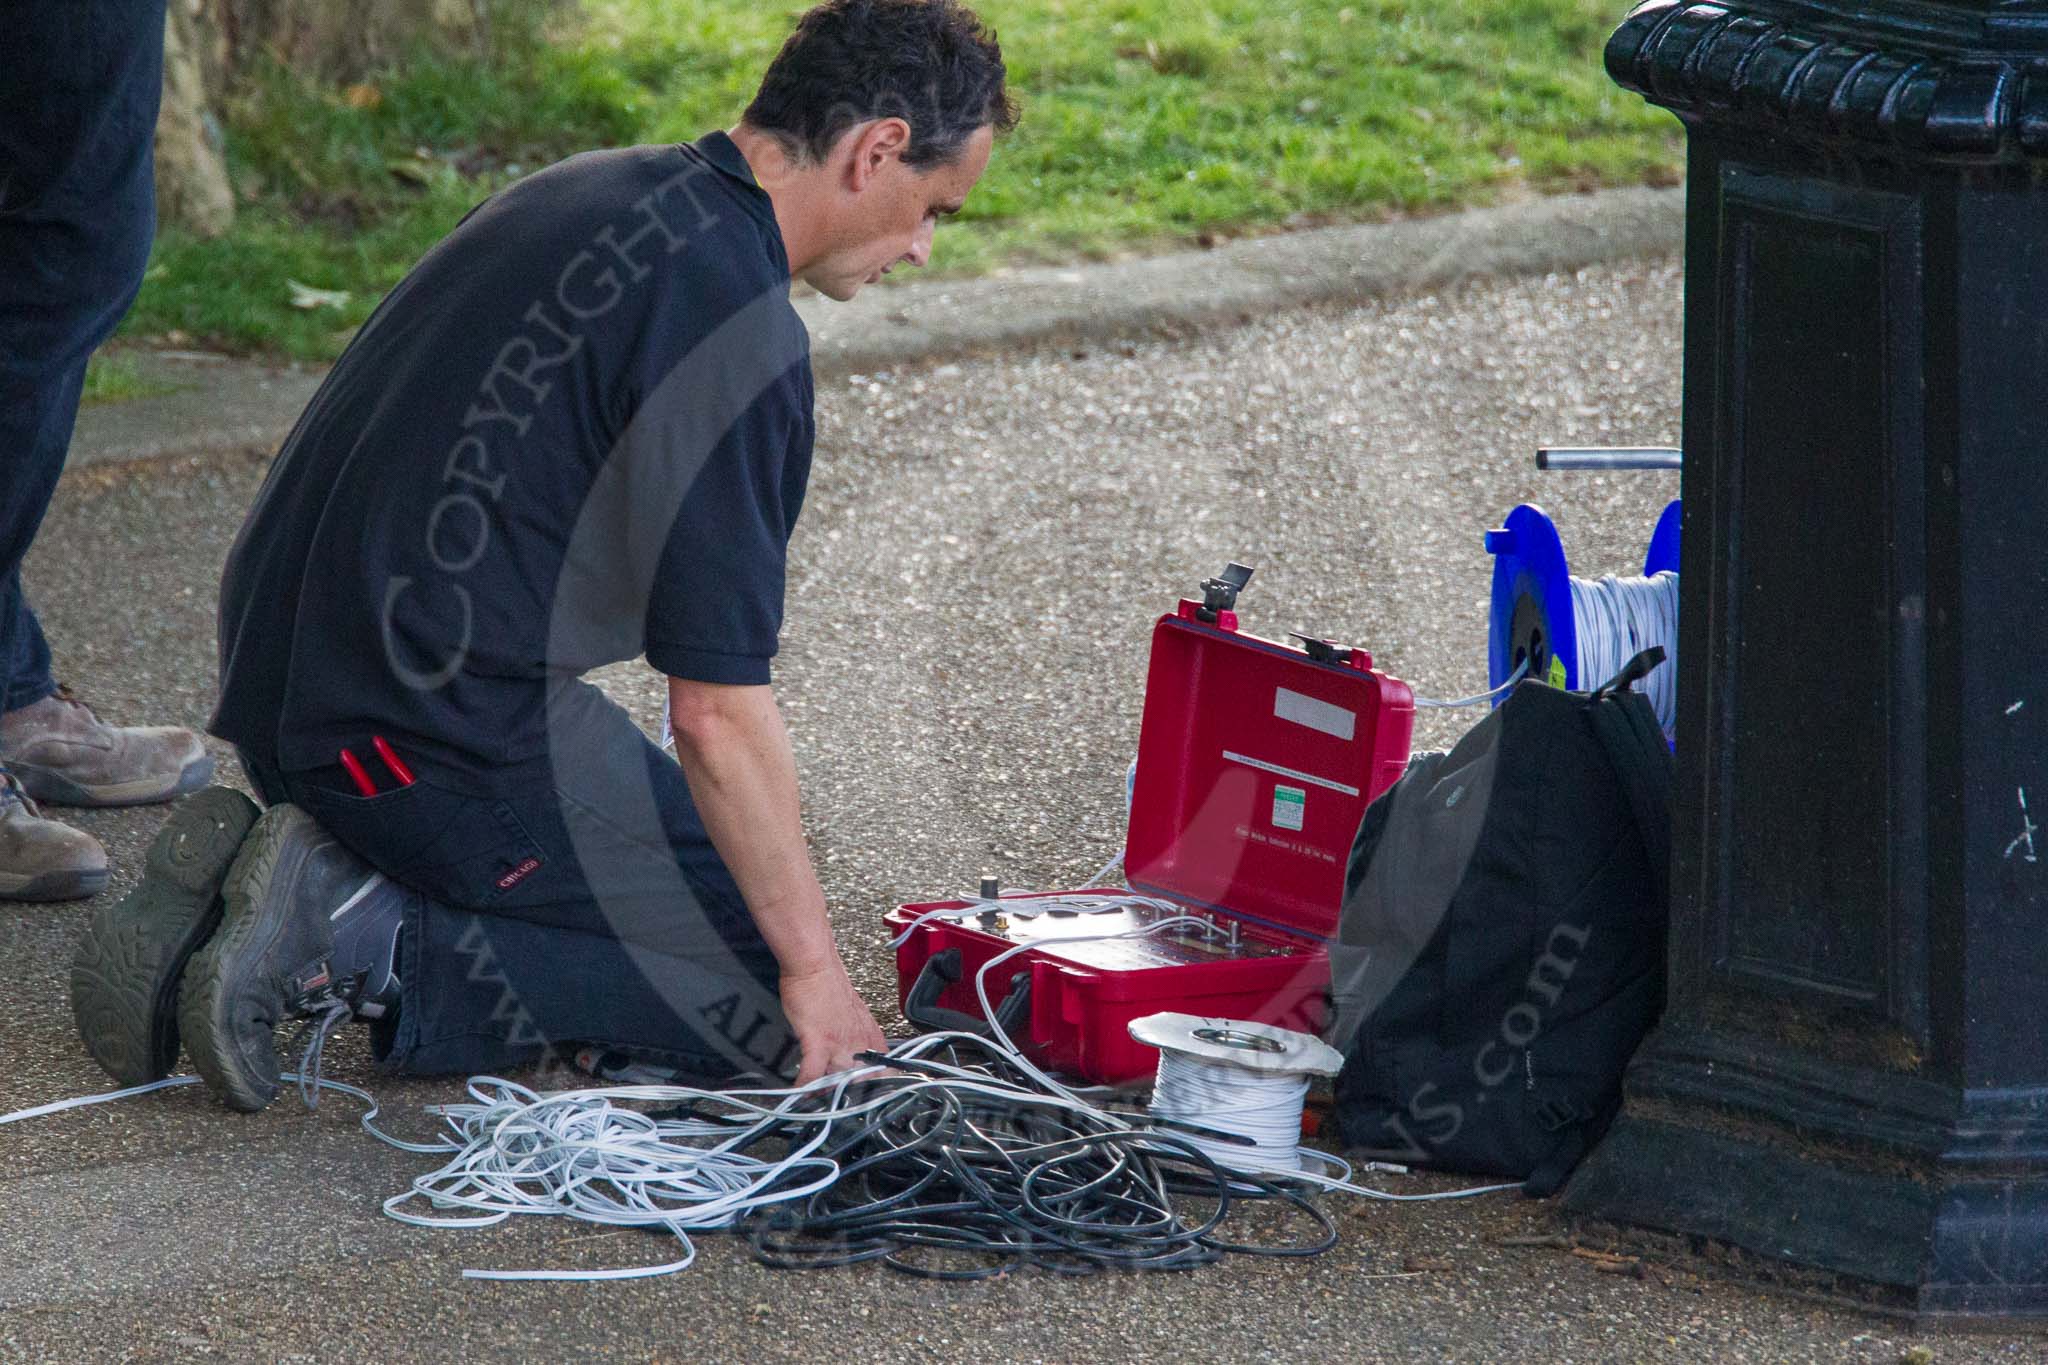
x: 80, y: 83
x: 586, y: 908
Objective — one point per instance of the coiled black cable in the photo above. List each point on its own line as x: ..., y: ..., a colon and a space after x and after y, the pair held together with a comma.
x: 968, y: 1184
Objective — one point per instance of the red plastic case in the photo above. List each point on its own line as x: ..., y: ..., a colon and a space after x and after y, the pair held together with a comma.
x: 1256, y: 761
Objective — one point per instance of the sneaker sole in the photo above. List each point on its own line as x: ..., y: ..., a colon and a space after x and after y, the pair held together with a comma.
x: 251, y: 922
x: 48, y: 787
x: 124, y: 976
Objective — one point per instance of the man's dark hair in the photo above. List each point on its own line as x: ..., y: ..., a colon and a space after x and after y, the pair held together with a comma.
x: 931, y: 63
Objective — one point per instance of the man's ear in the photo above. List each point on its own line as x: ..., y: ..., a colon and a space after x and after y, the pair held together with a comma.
x: 874, y: 146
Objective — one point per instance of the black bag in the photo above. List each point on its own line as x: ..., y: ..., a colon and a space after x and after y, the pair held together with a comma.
x: 1501, y: 946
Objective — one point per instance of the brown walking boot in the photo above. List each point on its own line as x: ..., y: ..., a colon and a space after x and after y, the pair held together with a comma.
x: 67, y: 756
x: 41, y: 860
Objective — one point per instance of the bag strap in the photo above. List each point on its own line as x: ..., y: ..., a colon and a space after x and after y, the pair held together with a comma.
x: 1628, y: 730
x: 1632, y: 672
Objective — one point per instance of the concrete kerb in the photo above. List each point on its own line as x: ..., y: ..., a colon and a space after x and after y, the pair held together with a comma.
x: 217, y: 403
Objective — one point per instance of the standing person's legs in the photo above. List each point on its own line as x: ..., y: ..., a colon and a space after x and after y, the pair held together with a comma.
x: 79, y: 88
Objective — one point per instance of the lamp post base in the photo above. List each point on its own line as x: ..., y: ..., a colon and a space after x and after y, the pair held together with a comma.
x: 1852, y: 1074
x: 1940, y: 1248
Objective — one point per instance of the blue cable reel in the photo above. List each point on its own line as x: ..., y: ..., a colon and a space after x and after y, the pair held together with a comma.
x: 1533, y: 618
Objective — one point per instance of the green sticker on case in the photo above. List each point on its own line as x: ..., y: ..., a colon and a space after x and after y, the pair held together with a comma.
x: 1289, y: 805
x: 1556, y: 671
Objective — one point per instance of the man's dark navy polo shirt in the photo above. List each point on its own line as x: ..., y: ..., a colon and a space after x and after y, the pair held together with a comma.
x: 578, y: 432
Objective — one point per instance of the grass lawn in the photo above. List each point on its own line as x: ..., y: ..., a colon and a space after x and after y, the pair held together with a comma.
x: 1147, y: 124
x: 111, y: 377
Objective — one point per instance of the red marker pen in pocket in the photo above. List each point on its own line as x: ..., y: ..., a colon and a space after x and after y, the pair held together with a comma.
x: 356, y: 774
x: 392, y: 761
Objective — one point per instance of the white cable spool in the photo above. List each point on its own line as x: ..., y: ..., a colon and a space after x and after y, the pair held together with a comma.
x: 1618, y: 618
x: 1567, y: 631
x: 1244, y: 1081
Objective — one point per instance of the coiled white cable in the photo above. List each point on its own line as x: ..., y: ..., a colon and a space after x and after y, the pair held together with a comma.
x: 580, y: 1154
x: 1261, y: 1109
x: 1619, y: 618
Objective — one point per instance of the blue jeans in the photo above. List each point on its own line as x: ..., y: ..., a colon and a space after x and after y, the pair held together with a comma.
x: 80, y: 82
x: 590, y: 909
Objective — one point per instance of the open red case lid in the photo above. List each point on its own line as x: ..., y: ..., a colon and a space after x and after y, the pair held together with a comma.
x: 1256, y: 761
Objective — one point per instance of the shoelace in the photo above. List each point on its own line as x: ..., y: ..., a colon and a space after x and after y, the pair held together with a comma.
x: 314, y: 1034
x: 70, y: 698
x: 12, y: 792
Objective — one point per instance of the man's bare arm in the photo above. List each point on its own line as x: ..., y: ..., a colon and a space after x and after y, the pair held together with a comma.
x: 735, y: 752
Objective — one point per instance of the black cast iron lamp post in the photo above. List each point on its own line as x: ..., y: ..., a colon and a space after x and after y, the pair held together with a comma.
x: 1853, y: 1072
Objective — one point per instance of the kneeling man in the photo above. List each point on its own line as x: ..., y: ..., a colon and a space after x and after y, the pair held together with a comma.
x: 578, y: 433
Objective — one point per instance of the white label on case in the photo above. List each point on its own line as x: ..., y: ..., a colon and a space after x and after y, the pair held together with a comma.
x: 1316, y: 714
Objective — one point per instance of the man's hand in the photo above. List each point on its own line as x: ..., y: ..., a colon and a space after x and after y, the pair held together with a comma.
x: 830, y: 1021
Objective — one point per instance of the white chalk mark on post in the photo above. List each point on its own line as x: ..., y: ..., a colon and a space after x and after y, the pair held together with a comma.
x: 2026, y: 835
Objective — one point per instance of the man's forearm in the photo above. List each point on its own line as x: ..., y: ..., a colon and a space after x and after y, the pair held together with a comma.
x: 742, y: 774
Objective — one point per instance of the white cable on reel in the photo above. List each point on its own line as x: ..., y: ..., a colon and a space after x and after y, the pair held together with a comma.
x: 1247, y: 1083
x: 1617, y: 619
x: 1243, y: 1081
x: 1264, y: 1112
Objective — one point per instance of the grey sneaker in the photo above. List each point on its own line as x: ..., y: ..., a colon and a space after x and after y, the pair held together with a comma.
x: 308, y: 930
x: 124, y: 977
x: 41, y: 860
x: 67, y: 756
